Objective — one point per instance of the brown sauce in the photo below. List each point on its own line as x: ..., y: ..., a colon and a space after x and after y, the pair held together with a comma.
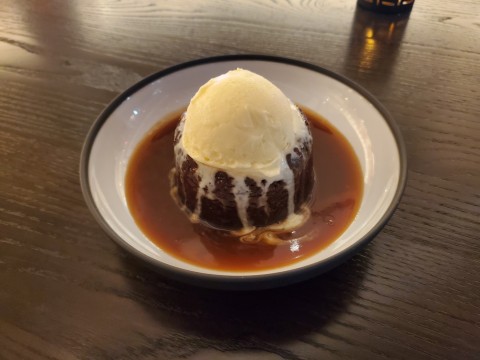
x: 338, y: 193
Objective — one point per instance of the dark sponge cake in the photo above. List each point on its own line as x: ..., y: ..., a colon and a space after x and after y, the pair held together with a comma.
x: 233, y: 202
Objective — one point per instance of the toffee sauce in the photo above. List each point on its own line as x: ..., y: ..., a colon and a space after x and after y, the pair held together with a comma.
x: 337, y: 196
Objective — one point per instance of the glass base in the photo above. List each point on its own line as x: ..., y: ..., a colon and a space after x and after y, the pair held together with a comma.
x: 385, y: 6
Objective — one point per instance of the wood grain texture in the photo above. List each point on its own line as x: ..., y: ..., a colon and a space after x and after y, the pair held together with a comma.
x: 68, y: 292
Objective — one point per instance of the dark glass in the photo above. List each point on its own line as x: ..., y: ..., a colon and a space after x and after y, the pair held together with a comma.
x: 387, y: 6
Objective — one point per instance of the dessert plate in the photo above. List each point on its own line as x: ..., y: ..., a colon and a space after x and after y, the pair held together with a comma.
x: 366, y: 124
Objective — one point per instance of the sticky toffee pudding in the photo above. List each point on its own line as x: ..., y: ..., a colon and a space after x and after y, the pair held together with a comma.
x: 332, y: 204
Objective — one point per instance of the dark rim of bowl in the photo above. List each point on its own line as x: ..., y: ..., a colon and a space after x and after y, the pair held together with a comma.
x: 244, y: 281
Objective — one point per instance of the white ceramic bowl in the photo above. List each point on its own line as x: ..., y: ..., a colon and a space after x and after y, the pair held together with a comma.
x: 350, y: 108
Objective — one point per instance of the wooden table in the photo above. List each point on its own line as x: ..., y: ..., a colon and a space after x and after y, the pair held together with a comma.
x: 68, y: 292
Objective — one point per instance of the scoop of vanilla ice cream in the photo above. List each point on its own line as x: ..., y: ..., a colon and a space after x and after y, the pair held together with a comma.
x: 240, y: 120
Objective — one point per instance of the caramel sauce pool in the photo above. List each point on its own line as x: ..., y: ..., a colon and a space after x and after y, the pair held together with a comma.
x: 337, y: 196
